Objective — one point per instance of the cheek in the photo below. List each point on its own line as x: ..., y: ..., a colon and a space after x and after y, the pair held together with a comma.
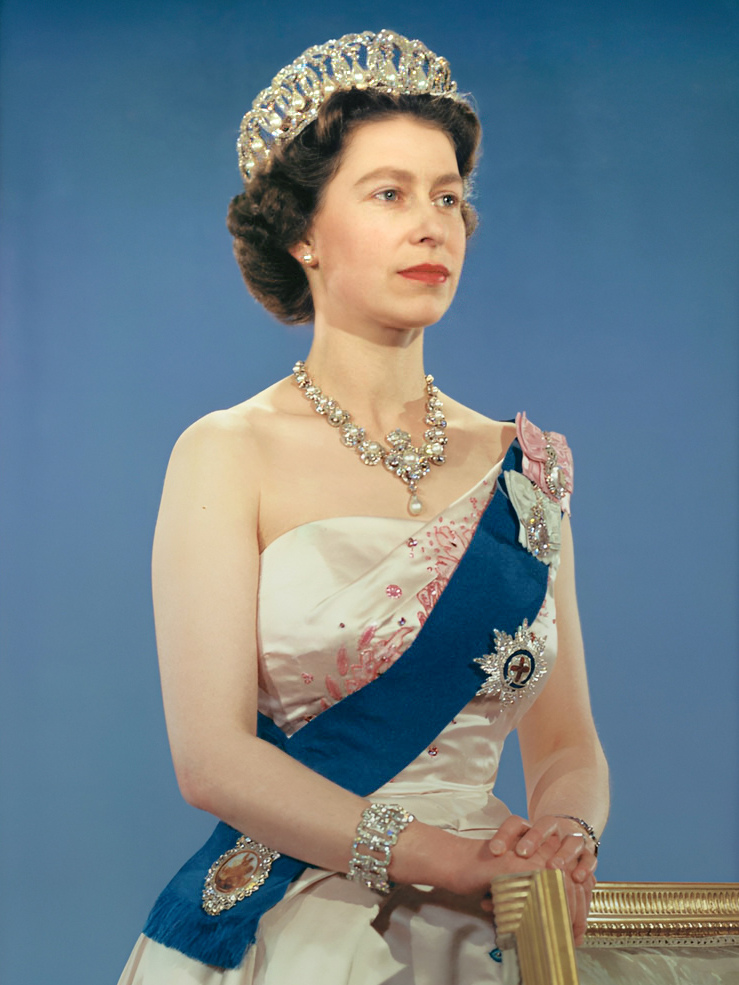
x: 459, y: 238
x: 355, y: 252
x: 335, y: 240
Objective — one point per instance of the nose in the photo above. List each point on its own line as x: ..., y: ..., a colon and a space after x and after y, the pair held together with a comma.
x: 429, y: 227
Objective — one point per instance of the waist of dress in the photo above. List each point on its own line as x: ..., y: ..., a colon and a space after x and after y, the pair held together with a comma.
x: 472, y: 810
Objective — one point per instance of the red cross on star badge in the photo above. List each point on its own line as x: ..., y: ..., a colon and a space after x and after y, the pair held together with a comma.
x: 516, y: 665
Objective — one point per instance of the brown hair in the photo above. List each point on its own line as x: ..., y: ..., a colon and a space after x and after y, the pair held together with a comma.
x: 277, y: 208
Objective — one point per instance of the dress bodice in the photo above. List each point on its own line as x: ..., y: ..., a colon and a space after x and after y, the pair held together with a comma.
x: 341, y: 599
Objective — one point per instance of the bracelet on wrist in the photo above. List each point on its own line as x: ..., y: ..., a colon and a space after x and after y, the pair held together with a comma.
x: 377, y: 833
x: 587, y: 828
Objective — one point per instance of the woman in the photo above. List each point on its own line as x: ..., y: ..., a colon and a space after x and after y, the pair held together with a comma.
x: 292, y: 581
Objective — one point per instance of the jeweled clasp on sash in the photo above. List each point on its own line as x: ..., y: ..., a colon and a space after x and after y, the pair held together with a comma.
x: 236, y: 874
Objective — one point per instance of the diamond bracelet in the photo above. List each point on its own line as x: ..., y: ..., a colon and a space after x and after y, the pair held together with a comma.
x: 377, y: 832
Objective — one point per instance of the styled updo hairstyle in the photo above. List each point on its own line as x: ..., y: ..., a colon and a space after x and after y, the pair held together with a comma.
x: 277, y: 208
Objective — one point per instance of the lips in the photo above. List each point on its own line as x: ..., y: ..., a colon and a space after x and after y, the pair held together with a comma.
x: 427, y: 273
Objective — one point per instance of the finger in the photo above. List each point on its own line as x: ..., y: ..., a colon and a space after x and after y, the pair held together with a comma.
x: 578, y: 900
x: 537, y: 835
x: 572, y: 849
x: 585, y: 868
x: 581, y: 915
x: 575, y: 905
x: 587, y: 890
x: 508, y: 834
x: 588, y: 886
x: 569, y: 850
x: 572, y: 902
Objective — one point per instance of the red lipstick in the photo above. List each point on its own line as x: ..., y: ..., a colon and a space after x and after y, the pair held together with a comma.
x: 427, y: 273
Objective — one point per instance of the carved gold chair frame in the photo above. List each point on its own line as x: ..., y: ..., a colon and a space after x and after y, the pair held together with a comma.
x: 534, y: 931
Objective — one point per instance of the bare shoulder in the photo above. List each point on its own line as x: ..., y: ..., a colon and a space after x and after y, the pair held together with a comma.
x: 219, y: 456
x: 474, y: 419
x: 485, y: 432
x: 232, y: 433
x: 237, y: 426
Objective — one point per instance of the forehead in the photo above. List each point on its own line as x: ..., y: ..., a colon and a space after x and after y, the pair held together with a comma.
x: 402, y: 142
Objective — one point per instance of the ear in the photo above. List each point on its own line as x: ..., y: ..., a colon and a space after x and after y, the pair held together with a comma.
x: 303, y: 253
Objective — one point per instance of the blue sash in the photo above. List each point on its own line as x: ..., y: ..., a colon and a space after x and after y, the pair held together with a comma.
x: 370, y: 736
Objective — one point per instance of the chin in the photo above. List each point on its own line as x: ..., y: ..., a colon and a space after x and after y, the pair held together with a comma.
x: 421, y: 312
x: 413, y: 323
x: 431, y: 314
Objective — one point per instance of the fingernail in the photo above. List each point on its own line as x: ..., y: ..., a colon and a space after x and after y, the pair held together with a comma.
x: 497, y: 847
x: 524, y: 848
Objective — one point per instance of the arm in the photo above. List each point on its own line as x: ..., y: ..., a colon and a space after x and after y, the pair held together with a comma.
x: 205, y: 577
x: 564, y: 765
x: 566, y: 771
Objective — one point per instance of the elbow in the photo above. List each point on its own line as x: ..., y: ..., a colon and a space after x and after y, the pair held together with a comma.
x: 191, y: 787
x: 209, y: 772
x: 196, y: 786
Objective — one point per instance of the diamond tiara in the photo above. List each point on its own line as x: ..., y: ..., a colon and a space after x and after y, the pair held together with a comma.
x: 385, y: 61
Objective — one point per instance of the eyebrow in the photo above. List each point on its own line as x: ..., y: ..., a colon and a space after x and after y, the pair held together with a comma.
x: 398, y: 174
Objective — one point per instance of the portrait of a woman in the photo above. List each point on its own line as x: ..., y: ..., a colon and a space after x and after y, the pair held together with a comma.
x: 361, y: 585
x: 397, y: 367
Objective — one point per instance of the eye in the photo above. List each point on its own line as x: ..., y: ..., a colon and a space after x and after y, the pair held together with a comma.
x: 388, y: 195
x: 448, y: 200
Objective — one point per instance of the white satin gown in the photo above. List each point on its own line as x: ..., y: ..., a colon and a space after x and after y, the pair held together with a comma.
x: 339, y: 601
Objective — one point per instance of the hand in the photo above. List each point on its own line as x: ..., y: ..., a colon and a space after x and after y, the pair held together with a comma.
x: 568, y: 850
x: 566, y: 840
x: 470, y: 866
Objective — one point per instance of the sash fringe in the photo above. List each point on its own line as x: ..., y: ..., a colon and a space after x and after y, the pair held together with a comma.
x: 195, y: 938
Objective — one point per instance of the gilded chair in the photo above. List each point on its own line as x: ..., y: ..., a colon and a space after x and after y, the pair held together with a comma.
x: 637, y: 934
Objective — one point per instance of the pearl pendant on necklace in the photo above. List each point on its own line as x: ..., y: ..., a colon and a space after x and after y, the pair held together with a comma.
x: 409, y: 462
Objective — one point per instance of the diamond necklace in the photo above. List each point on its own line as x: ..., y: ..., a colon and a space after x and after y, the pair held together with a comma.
x: 402, y: 458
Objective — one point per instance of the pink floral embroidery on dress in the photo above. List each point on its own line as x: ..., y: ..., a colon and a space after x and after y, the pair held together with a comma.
x: 375, y: 656
x: 447, y: 542
x: 449, y: 546
x: 334, y: 691
x: 342, y: 661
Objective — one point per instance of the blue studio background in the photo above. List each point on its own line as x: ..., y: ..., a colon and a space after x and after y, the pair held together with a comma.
x: 600, y: 295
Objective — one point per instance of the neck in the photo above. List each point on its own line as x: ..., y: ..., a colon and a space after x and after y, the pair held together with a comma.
x: 379, y: 380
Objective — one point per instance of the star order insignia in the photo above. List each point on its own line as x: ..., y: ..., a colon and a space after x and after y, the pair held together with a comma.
x: 516, y: 665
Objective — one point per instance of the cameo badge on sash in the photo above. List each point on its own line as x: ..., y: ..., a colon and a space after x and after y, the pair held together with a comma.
x: 236, y: 874
x: 516, y: 665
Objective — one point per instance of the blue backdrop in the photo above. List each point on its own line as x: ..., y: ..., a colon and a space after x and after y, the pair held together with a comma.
x: 600, y: 296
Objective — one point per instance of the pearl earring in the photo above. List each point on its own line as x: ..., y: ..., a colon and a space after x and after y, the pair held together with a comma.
x: 308, y: 258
